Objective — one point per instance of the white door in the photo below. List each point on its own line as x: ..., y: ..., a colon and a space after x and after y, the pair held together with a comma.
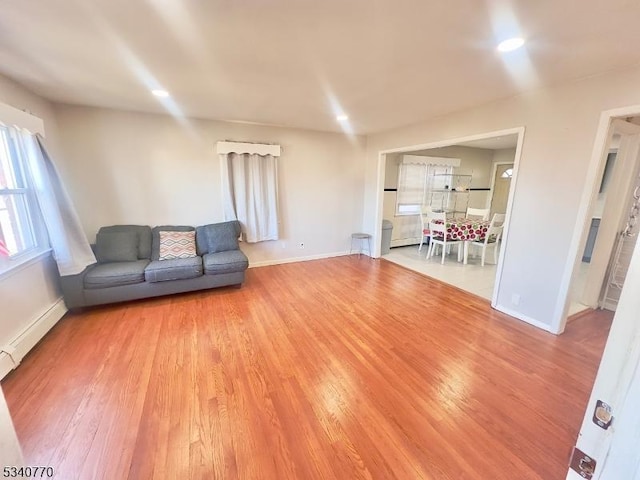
x: 616, y: 450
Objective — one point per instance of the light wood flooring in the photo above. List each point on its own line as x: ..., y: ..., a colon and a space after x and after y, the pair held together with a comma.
x: 344, y: 368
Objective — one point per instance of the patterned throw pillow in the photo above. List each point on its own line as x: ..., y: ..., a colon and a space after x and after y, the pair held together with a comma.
x: 177, y: 245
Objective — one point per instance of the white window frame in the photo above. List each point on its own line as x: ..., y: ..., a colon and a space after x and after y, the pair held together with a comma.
x: 30, y: 219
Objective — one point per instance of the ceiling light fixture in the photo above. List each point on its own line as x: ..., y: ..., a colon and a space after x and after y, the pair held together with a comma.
x: 510, y: 44
x: 160, y: 93
x: 342, y: 118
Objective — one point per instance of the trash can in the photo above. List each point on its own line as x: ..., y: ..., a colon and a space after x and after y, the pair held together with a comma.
x: 385, y: 245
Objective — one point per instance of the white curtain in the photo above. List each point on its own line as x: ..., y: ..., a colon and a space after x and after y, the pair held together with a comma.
x: 250, y: 194
x: 411, y: 186
x: 71, y: 249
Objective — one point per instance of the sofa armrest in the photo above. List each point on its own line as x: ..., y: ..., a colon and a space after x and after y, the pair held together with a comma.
x: 73, y: 289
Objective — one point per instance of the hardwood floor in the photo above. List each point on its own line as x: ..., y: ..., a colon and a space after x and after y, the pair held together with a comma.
x: 344, y: 368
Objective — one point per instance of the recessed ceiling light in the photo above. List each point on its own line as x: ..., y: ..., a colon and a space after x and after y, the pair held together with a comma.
x: 160, y: 93
x: 510, y: 44
x: 342, y: 118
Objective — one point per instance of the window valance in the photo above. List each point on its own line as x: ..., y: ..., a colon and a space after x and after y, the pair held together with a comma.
x: 12, y: 116
x: 422, y: 160
x: 225, y: 148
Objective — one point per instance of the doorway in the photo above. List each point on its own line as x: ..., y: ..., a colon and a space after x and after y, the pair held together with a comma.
x: 611, y: 227
x: 509, y: 144
x: 617, y: 385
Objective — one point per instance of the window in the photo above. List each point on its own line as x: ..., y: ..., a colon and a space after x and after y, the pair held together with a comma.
x: 411, y: 184
x: 508, y: 173
x: 608, y: 168
x: 19, y: 217
x: 413, y: 187
x: 250, y: 188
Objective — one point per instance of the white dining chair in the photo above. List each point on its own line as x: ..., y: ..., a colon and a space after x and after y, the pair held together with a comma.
x: 492, y: 237
x: 480, y: 213
x: 426, y: 213
x: 440, y: 236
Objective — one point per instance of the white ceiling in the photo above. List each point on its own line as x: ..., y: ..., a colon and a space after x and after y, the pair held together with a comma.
x: 300, y: 62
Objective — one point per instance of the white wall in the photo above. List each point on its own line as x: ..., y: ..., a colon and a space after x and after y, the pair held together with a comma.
x: 29, y: 293
x: 504, y: 155
x: 124, y: 167
x: 560, y: 124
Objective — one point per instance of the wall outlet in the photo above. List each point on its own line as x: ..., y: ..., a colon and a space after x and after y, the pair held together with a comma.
x: 301, y: 244
x: 515, y: 299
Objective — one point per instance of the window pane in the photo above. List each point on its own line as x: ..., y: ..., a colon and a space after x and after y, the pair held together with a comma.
x: 15, y: 223
x: 405, y: 209
x: 411, y: 184
x: 11, y: 172
x: 508, y: 173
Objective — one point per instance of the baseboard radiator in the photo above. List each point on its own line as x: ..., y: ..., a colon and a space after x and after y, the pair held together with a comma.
x: 12, y: 354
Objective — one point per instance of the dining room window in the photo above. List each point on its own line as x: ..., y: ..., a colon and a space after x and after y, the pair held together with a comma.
x: 411, y: 188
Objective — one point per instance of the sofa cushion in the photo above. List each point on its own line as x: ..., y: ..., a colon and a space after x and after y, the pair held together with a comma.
x: 115, y: 273
x: 175, y: 269
x: 116, y: 247
x: 218, y: 237
x: 177, y: 245
x: 155, y: 234
x: 142, y: 231
x: 230, y: 261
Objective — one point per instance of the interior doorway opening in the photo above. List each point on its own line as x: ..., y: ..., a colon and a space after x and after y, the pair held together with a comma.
x: 479, y: 157
x: 611, y: 229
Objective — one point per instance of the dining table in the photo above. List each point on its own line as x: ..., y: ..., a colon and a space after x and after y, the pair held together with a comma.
x: 466, y: 230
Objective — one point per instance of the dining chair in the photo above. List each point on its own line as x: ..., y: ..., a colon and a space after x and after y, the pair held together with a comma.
x: 426, y: 213
x: 481, y: 213
x: 440, y: 236
x: 492, y: 237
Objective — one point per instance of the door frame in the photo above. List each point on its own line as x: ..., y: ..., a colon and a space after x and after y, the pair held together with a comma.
x: 382, y: 160
x: 587, y: 202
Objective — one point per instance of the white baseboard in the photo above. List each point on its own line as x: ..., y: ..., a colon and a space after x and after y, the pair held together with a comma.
x: 298, y: 259
x: 524, y: 318
x: 12, y: 354
x: 6, y: 364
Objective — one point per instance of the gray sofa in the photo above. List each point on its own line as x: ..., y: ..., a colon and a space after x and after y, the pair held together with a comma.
x: 130, y: 265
